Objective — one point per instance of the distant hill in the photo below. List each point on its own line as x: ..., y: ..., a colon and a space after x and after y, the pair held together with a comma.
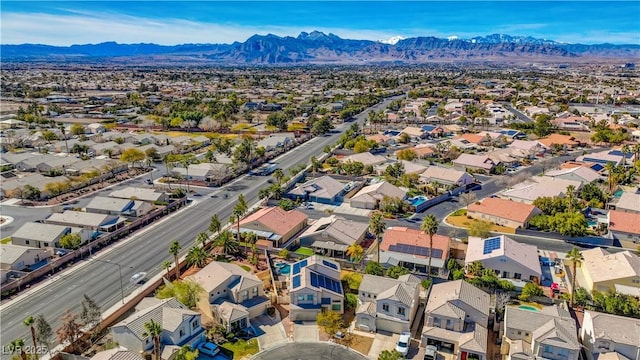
x: 319, y: 48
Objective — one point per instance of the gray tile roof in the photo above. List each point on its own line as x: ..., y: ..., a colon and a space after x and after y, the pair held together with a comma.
x: 323, y: 187
x: 40, y: 232
x: 231, y: 312
x: 119, y: 353
x: 170, y: 313
x: 559, y: 332
x: 217, y: 273
x: 368, y: 307
x: 458, y: 290
x: 398, y: 293
x: 377, y: 284
x: 622, y: 330
x: 108, y: 203
x: 9, y: 253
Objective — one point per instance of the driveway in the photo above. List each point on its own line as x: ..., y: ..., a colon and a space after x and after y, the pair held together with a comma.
x: 270, y: 332
x: 306, y: 332
x: 382, y: 341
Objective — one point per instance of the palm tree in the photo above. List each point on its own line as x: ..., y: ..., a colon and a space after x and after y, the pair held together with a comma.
x: 167, y: 265
x: 238, y: 211
x: 636, y: 152
x: 215, y: 226
x: 278, y: 174
x: 377, y: 228
x: 174, y: 249
x: 626, y: 149
x: 202, y: 238
x: 315, y: 164
x: 154, y: 330
x: 611, y: 176
x: 571, y: 192
x: 355, y: 252
x: 475, y: 268
x: 226, y: 241
x: 18, y: 345
x: 197, y: 257
x: 576, y: 259
x: 29, y: 322
x: 430, y: 227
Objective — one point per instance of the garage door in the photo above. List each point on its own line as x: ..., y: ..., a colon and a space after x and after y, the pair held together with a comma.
x: 392, y: 326
x: 304, y: 316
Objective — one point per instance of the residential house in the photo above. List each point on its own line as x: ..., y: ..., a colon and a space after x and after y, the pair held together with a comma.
x: 421, y: 150
x: 332, y: 235
x: 85, y: 220
x: 381, y: 139
x: 369, y: 197
x: 539, y: 186
x: 366, y: 158
x: 324, y: 189
x: 232, y: 296
x: 572, y: 123
x: 315, y: 286
x: 628, y: 202
x: 211, y: 173
x: 532, y: 148
x: 603, y: 157
x: 565, y: 142
x: 414, y: 132
x: 603, y: 271
x: 386, y: 304
x: 274, y: 225
x: 550, y: 333
x: 408, y: 166
x: 508, y: 258
x: 456, y: 319
x: 473, y: 162
x: 503, y: 212
x: 610, y: 337
x: 433, y: 131
x: 119, y: 207
x: 410, y: 248
x: 583, y: 174
x: 137, y: 193
x: 446, y: 176
x: 476, y: 139
x: 180, y: 326
x: 19, y: 258
x: 624, y: 225
x: 117, y: 353
x: 277, y: 142
x: 40, y: 235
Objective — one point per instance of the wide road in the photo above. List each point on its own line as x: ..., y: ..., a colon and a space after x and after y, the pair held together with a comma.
x: 145, y: 250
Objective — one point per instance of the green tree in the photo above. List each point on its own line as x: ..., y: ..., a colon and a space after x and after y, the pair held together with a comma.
x: 91, y: 315
x: 396, y: 271
x: 202, y: 238
x: 197, y: 257
x: 77, y: 129
x: 44, y: 332
x: 284, y: 253
x: 529, y: 290
x: 373, y: 268
x: 174, y: 249
x: 29, y: 322
x: 132, y: 156
x: 239, y: 210
x: 214, y: 225
x: 186, y: 352
x: 475, y: 268
x: 166, y: 265
x: 330, y: 321
x: 407, y: 154
x: 186, y: 292
x: 227, y: 242
x: 18, y: 345
x: 390, y: 355
x: 576, y: 259
x: 48, y: 136
x: 153, y: 330
x: 377, y: 228
x: 571, y: 193
x: 430, y: 227
x: 355, y: 252
x: 570, y: 224
x: 71, y: 241
x: 542, y: 125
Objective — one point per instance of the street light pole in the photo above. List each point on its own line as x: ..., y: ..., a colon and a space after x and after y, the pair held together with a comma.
x: 119, y: 272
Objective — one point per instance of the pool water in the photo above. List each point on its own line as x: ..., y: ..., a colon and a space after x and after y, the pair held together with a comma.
x: 527, y: 307
x: 415, y: 201
x: 592, y: 223
x: 283, y: 269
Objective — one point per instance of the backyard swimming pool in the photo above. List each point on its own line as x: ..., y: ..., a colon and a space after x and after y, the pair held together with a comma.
x: 527, y: 307
x: 283, y: 268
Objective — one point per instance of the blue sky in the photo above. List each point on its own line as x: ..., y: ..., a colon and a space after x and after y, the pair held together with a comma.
x: 59, y: 22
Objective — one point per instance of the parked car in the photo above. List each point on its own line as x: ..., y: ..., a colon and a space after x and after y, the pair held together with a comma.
x: 149, y: 182
x: 61, y: 252
x: 403, y: 344
x: 430, y: 353
x: 208, y: 348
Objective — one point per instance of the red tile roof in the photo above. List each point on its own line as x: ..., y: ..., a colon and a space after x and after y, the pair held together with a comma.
x: 624, y: 222
x: 276, y: 219
x: 503, y: 208
x: 406, y: 236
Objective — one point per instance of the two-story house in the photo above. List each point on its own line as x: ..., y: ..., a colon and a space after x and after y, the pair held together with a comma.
x: 387, y: 304
x: 607, y: 336
x: 315, y: 286
x: 456, y: 319
x: 180, y: 326
x: 232, y: 296
x: 550, y: 333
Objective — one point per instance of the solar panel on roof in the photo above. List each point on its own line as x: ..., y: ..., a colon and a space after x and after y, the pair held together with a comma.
x: 319, y: 280
x: 314, y: 279
x: 296, y: 281
x: 330, y: 264
x: 490, y: 244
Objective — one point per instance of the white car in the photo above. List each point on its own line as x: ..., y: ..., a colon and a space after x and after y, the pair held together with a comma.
x: 137, y: 277
x: 430, y: 353
x: 403, y: 344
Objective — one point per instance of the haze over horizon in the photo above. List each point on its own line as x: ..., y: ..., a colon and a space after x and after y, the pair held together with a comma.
x: 66, y: 23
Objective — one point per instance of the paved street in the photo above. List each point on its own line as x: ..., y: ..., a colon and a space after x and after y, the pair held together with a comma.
x: 145, y: 251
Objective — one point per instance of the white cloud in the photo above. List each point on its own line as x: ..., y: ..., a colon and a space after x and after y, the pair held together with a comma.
x: 84, y: 28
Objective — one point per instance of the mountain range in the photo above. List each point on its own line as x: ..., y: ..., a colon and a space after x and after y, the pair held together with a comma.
x: 319, y: 48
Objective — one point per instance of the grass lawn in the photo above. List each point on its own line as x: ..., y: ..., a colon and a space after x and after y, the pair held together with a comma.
x: 304, y: 251
x: 242, y: 348
x: 462, y: 221
x: 6, y: 240
x: 245, y: 268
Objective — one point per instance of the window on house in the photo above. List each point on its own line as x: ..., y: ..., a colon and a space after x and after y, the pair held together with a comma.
x: 300, y: 297
x: 26, y: 242
x: 335, y: 307
x: 385, y: 307
x: 436, y: 322
x: 401, y: 311
x: 255, y: 291
x: 548, y: 349
x: 181, y: 332
x: 517, y: 276
x: 310, y: 297
x: 194, y: 325
x: 46, y: 244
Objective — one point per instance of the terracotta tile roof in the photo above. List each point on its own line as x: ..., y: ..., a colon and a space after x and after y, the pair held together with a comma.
x: 402, y: 235
x: 473, y: 138
x: 276, y: 219
x: 624, y: 222
x: 558, y: 139
x: 503, y: 208
x: 379, y: 138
